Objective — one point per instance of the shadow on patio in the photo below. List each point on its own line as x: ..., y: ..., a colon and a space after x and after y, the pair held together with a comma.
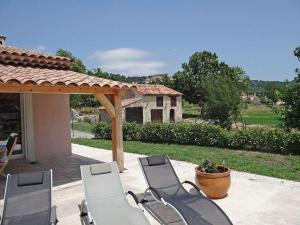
x: 65, y: 170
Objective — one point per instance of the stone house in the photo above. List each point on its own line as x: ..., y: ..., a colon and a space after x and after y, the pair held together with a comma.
x: 146, y: 103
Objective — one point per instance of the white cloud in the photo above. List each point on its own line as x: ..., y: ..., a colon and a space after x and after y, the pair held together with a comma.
x: 127, y: 61
x: 41, y: 48
x: 121, y: 54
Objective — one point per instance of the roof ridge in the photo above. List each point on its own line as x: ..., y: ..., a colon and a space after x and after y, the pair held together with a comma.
x: 32, y: 52
x: 23, y: 57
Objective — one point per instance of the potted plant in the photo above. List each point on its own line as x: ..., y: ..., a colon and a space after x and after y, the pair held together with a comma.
x: 214, y: 180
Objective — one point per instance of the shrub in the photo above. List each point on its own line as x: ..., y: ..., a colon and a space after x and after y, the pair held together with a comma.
x: 102, y: 130
x: 259, y: 139
x: 132, y: 131
x: 87, y: 119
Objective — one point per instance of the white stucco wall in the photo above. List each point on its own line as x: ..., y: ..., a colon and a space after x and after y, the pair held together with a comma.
x: 51, y: 124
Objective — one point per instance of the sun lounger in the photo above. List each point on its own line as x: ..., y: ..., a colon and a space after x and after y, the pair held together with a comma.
x: 27, y: 200
x: 164, y: 185
x: 105, y: 199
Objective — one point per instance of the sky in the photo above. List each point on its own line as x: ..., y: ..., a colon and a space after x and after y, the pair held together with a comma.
x: 139, y: 37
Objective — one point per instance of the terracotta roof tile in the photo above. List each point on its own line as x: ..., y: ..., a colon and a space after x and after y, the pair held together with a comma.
x: 10, y: 74
x: 155, y: 89
x: 21, y: 57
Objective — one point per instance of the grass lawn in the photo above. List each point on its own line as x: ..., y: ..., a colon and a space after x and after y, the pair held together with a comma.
x: 190, y: 110
x: 282, y: 166
x: 260, y: 115
x: 83, y: 126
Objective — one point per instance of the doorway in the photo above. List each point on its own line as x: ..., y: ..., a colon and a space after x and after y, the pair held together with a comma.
x: 172, y: 116
x: 134, y: 114
x: 11, y: 119
x: 157, y: 115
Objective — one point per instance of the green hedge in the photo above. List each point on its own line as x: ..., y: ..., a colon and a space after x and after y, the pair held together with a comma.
x: 260, y: 139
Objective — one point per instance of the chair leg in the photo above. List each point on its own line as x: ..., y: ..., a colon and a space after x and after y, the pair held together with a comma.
x: 82, y: 210
x: 90, y: 218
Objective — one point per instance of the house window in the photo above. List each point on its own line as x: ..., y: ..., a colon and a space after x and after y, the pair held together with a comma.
x: 157, y: 115
x: 173, y: 101
x: 159, y: 101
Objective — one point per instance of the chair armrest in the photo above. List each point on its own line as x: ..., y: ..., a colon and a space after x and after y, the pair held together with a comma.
x: 156, y: 194
x: 192, y: 184
x: 133, y: 196
x: 53, y: 218
x: 139, y: 204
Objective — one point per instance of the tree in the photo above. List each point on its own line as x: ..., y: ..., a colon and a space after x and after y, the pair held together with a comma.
x: 297, y: 54
x: 273, y: 91
x: 214, y: 85
x: 292, y: 100
x: 223, y: 101
x: 77, y: 65
x: 200, y: 65
x: 99, y: 73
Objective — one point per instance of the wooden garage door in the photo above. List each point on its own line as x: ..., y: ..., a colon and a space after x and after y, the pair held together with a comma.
x: 157, y: 115
x: 134, y: 114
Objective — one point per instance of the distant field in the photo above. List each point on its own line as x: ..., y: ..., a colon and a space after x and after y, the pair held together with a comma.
x: 260, y: 115
x: 253, y: 115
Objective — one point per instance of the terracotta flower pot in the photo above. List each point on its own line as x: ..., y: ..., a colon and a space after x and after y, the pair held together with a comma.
x: 214, y: 185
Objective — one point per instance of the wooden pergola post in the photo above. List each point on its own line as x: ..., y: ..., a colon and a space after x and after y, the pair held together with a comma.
x: 116, y: 131
x: 114, y: 109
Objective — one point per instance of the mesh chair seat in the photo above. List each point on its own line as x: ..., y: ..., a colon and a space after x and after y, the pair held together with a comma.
x: 27, y: 199
x: 194, y: 209
x: 38, y: 218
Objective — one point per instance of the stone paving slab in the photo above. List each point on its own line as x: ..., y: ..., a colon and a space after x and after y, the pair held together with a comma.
x: 252, y: 199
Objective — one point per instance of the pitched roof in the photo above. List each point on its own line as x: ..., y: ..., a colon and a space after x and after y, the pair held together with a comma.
x: 18, y: 66
x: 155, y: 89
x: 21, y: 57
x: 10, y: 74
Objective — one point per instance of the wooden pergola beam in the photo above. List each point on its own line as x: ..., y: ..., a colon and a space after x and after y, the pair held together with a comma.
x: 107, y: 104
x: 57, y: 89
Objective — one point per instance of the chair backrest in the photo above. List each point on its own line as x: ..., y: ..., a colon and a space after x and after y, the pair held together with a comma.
x: 101, y: 181
x: 11, y: 143
x: 28, y: 194
x: 159, y: 173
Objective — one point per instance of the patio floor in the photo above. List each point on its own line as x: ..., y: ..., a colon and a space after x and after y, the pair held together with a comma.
x: 252, y: 199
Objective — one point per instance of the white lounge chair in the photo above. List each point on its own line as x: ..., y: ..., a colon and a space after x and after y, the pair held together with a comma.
x: 105, y: 198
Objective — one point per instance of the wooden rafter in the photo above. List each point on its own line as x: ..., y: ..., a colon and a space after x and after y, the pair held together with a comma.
x: 107, y: 104
x: 57, y: 89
